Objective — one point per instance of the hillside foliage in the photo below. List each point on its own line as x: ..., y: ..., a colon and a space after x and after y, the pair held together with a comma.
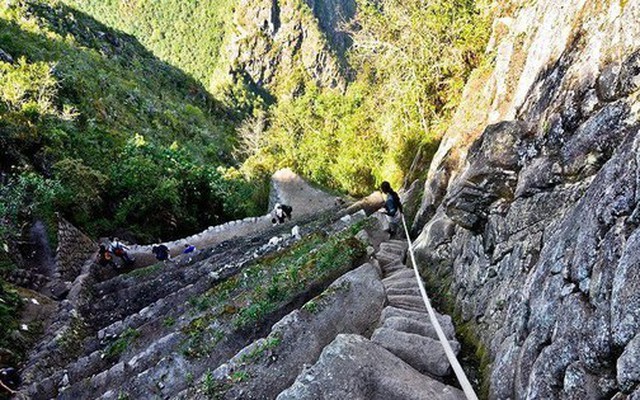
x: 97, y: 128
x: 412, y: 59
x: 187, y: 34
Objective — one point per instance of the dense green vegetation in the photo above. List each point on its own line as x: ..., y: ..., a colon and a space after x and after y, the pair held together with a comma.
x: 187, y: 34
x: 97, y: 128
x: 412, y: 60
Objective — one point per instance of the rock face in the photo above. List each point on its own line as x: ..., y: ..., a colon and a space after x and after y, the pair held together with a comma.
x: 382, y: 376
x: 530, y: 211
x: 275, y: 40
x: 352, y: 304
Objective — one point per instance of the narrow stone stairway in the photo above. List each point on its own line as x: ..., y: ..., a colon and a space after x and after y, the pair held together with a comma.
x: 148, y: 332
x: 367, y: 336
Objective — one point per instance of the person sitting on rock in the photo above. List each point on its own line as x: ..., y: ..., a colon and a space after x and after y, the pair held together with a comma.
x: 280, y: 213
x: 392, y: 207
x: 105, y: 257
x: 120, y: 250
x: 161, y: 251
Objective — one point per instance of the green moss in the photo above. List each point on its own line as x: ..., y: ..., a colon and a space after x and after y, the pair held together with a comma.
x: 120, y: 345
x: 469, y: 339
x: 146, y: 271
x: 474, y: 351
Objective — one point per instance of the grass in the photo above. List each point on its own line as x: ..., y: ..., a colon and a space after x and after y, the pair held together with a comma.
x: 271, y: 343
x: 144, y: 272
x: 120, y: 345
x: 211, y: 387
x: 169, y: 322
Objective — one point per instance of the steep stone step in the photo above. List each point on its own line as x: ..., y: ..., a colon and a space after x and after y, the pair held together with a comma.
x: 409, y: 325
x: 402, y: 275
x: 408, y: 302
x: 403, y: 291
x: 444, y: 320
x: 354, y: 368
x: 394, y: 247
x: 398, y: 242
x: 404, y: 283
x: 385, y: 258
x: 393, y: 268
x: 423, y: 353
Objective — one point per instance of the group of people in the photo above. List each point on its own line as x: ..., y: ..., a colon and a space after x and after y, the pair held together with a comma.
x: 280, y: 214
x: 162, y: 252
x: 114, y: 248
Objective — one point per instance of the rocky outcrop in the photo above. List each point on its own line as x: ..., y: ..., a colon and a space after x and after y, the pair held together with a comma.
x: 274, y: 43
x: 378, y: 375
x: 352, y: 304
x: 400, y: 360
x: 529, y: 218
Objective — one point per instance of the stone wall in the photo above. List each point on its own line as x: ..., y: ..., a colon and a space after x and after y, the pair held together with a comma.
x: 74, y: 248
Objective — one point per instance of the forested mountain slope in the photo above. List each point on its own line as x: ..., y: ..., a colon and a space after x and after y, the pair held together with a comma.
x: 97, y: 128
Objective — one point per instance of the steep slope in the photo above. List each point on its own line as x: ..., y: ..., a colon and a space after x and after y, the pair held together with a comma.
x: 98, y: 128
x: 188, y: 35
x: 529, y: 214
x: 276, y: 46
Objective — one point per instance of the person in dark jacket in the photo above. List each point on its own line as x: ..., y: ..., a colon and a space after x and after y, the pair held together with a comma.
x: 161, y: 251
x: 280, y: 213
x: 392, y: 207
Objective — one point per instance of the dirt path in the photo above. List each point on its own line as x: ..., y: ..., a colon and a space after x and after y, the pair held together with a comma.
x: 286, y: 187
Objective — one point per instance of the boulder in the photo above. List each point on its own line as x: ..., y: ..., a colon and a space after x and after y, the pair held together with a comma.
x: 423, y: 353
x: 354, y: 368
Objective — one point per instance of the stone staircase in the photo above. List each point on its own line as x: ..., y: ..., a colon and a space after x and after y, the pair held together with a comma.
x: 130, y: 333
x: 367, y: 336
x: 155, y: 332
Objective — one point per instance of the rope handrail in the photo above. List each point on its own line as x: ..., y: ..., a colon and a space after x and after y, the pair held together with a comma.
x: 457, y: 368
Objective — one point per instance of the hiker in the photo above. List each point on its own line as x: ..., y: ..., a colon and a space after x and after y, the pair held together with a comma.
x: 392, y: 207
x: 280, y: 213
x: 120, y: 250
x: 161, y: 251
x: 189, y: 248
x: 105, y: 257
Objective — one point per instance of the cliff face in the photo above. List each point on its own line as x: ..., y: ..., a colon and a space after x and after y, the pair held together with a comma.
x: 530, y: 211
x: 275, y: 42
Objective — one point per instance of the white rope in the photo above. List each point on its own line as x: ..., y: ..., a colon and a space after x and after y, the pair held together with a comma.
x: 462, y: 378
